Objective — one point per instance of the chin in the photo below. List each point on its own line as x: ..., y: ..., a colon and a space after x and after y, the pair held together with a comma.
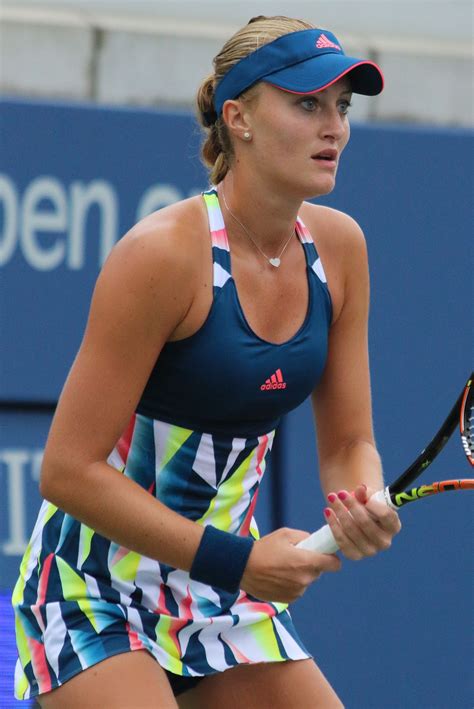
x: 321, y: 188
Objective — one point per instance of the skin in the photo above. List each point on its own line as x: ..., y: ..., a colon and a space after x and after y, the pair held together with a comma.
x: 156, y: 286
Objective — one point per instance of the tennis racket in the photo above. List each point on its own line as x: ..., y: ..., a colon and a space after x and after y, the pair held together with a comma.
x: 397, y: 494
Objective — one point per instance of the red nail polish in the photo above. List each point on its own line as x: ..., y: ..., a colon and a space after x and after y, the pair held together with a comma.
x: 327, y: 512
x: 342, y: 495
x: 332, y: 497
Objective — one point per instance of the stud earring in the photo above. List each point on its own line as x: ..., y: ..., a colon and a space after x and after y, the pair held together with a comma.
x: 247, y: 135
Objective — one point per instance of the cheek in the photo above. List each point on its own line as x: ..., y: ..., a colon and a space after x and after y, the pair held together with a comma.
x: 346, y: 136
x: 276, y: 140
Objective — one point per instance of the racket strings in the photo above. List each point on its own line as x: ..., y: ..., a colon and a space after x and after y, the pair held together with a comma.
x: 467, y: 422
x: 467, y: 435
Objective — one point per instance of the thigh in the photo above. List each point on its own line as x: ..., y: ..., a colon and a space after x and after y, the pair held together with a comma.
x: 132, y: 680
x: 296, y: 684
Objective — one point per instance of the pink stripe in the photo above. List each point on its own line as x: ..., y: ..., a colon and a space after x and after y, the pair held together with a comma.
x: 119, y: 555
x: 185, y: 606
x: 219, y: 239
x: 161, y: 607
x: 43, y: 582
x: 279, y: 375
x: 303, y: 232
x: 135, y: 642
x: 184, y: 616
x: 244, y: 529
x: 40, y: 665
x: 239, y: 656
x: 257, y: 606
x: 123, y: 446
x: 261, y: 450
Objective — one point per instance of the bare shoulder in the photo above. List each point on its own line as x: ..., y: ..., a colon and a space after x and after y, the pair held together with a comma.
x: 333, y: 228
x: 154, y: 268
x: 340, y: 243
x: 170, y: 237
x: 162, y: 248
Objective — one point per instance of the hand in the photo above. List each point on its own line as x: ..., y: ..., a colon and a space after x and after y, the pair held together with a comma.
x: 361, y: 527
x: 277, y: 571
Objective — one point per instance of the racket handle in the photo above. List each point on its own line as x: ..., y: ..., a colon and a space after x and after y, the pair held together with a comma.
x: 323, y: 540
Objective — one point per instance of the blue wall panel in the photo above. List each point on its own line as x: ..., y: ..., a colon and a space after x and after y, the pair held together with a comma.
x: 389, y: 632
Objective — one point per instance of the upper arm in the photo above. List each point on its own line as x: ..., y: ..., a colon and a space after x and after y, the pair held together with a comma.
x: 142, y: 293
x: 341, y: 401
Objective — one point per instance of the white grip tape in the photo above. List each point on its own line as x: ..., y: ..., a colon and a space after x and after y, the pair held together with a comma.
x: 323, y: 540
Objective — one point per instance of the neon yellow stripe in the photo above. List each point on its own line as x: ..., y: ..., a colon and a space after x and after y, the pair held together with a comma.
x: 21, y: 684
x: 18, y: 591
x: 177, y: 437
x: 22, y: 643
x: 253, y: 529
x: 264, y: 635
x: 75, y: 589
x: 229, y: 493
x: 165, y: 641
x: 126, y: 569
x: 86, y: 541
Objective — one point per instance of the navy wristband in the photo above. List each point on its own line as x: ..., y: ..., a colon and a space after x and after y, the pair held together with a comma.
x: 221, y: 559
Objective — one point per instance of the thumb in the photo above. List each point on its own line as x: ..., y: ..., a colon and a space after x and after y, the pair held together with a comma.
x: 295, y: 535
x: 361, y: 493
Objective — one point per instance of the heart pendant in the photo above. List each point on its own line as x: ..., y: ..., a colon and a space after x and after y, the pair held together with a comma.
x: 274, y: 261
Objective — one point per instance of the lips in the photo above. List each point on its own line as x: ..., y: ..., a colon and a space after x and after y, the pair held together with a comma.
x: 328, y: 154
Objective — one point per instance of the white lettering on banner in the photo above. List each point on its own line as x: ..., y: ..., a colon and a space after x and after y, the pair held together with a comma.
x: 15, y: 462
x: 9, y: 200
x: 54, y: 235
x: 82, y: 198
x: 37, y: 219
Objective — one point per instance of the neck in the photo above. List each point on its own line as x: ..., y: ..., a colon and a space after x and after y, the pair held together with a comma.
x: 269, y: 217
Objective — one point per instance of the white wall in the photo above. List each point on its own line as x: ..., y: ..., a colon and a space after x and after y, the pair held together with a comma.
x: 157, y: 52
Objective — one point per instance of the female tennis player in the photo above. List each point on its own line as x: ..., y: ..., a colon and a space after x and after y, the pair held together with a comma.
x: 145, y: 577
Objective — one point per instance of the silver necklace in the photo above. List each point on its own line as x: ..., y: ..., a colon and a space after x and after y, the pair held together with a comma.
x: 275, y: 262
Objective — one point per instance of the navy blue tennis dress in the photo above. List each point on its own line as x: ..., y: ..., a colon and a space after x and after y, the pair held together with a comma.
x: 198, y: 442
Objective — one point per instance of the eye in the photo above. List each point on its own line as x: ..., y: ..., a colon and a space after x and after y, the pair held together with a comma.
x: 344, y: 107
x: 309, y: 104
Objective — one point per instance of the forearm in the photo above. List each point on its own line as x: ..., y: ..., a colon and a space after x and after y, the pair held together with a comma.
x: 356, y: 463
x: 119, y: 509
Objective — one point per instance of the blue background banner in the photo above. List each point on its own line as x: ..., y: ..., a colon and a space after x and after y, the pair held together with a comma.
x: 388, y: 632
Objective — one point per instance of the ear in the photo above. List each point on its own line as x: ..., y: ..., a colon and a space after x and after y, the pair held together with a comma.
x: 236, y: 116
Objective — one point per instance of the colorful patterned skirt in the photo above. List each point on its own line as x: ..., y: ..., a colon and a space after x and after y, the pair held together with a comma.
x: 81, y: 598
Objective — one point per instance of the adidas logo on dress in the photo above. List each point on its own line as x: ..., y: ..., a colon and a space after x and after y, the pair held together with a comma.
x: 274, y: 382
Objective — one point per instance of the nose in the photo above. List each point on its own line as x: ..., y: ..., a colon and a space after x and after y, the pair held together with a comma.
x: 334, y: 124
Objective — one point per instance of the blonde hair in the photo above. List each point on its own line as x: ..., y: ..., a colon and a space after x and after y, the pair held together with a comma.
x: 217, y: 150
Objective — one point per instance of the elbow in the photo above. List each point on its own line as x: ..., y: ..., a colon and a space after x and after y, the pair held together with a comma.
x: 53, y: 480
x: 46, y: 481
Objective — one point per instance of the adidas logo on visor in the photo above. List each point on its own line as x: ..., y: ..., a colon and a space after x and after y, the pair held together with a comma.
x: 324, y: 43
x: 274, y: 382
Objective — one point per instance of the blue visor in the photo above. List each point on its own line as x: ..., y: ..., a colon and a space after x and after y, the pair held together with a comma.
x: 300, y: 62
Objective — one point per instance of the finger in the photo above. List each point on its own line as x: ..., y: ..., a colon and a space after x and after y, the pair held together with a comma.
x: 386, y: 517
x: 320, y: 562
x: 293, y: 536
x: 361, y: 494
x: 344, y: 542
x: 349, y: 525
x: 373, y: 532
